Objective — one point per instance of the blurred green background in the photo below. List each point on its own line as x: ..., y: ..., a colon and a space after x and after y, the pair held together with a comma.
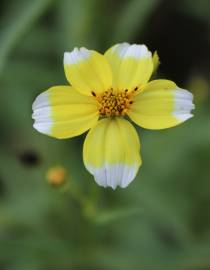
x: 162, y: 220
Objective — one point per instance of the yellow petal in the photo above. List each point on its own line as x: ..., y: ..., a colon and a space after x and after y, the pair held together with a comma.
x: 87, y: 71
x: 131, y: 65
x: 62, y: 112
x: 112, y: 152
x: 160, y: 105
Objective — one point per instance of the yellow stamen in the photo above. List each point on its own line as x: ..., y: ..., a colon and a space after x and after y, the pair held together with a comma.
x: 114, y: 103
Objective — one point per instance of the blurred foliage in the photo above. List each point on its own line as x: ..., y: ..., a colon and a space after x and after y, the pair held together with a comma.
x: 162, y: 220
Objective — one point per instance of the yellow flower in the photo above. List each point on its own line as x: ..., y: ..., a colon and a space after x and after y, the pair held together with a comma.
x: 105, y: 89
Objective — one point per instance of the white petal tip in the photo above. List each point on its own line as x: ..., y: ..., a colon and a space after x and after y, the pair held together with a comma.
x: 76, y: 55
x: 183, y: 117
x: 42, y: 114
x: 44, y: 128
x: 136, y: 51
x: 114, y: 175
x: 41, y: 101
x: 67, y: 58
x: 183, y: 105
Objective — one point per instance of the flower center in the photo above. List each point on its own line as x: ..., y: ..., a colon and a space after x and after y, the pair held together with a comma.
x: 114, y: 103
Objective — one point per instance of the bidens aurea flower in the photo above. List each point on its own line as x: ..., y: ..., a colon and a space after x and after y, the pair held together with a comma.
x: 105, y: 89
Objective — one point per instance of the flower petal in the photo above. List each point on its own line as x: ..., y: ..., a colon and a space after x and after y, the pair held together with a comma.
x: 131, y: 65
x: 62, y: 112
x: 160, y: 105
x: 87, y: 71
x: 112, y: 152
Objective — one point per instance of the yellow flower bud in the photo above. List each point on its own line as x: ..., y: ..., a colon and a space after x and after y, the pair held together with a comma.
x: 56, y: 176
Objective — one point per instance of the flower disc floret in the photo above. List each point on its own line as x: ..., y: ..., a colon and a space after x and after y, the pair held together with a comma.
x: 114, y: 103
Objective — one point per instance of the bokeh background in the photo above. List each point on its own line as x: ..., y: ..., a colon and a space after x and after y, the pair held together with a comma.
x: 162, y: 220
